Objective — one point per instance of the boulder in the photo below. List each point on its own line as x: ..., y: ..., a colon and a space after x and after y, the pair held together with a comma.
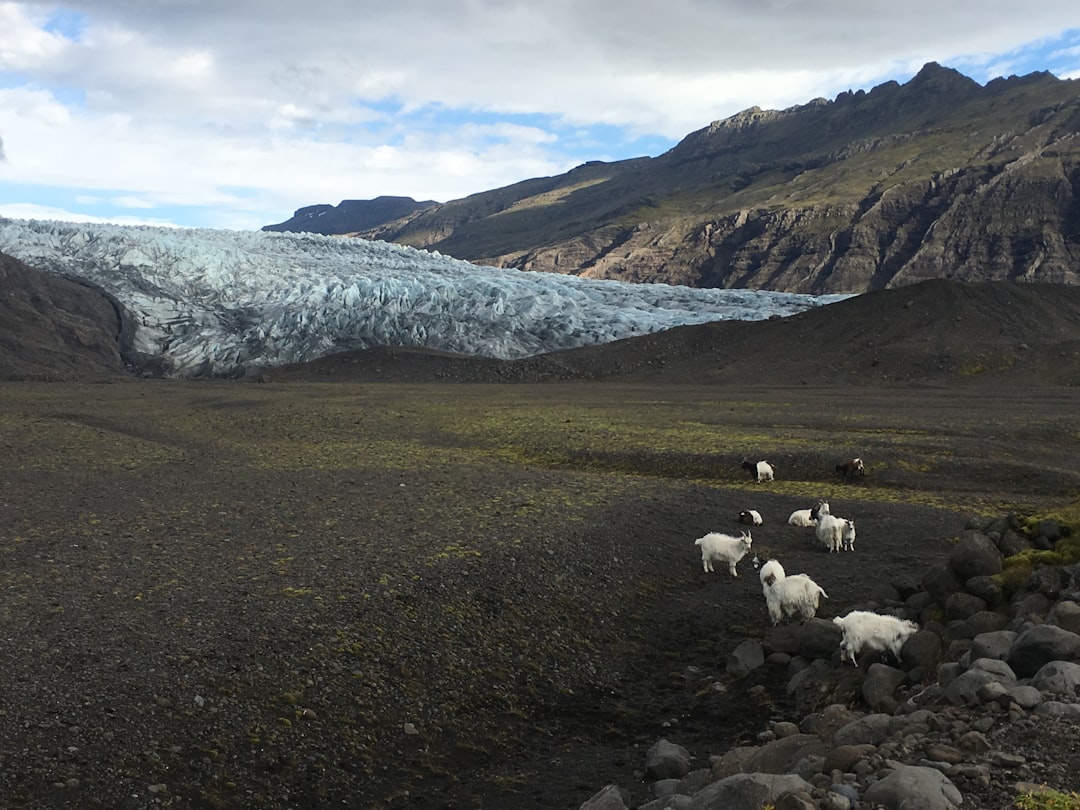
x: 994, y: 644
x: 745, y: 658
x: 1039, y: 646
x: 748, y: 791
x: 666, y: 760
x: 939, y: 581
x: 986, y: 588
x: 1066, y: 615
x: 780, y: 756
x: 914, y: 786
x: 610, y: 797
x: 1058, y: 678
x: 881, y: 684
x: 961, y: 605
x: 872, y: 728
x: 975, y: 555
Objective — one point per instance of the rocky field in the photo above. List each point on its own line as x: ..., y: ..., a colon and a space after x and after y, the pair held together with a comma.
x: 384, y: 595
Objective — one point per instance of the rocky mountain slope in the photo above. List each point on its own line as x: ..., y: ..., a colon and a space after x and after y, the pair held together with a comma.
x: 54, y: 328
x: 938, y: 177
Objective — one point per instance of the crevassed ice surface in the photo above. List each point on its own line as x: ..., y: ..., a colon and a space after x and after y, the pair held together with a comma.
x: 226, y: 302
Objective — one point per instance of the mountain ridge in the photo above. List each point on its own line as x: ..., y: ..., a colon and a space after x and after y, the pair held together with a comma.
x: 938, y: 177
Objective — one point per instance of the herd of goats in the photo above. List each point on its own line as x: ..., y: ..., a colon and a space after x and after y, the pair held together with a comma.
x: 791, y: 595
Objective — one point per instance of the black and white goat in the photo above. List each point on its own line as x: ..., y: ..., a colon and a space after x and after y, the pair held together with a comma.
x: 750, y: 517
x: 759, y: 471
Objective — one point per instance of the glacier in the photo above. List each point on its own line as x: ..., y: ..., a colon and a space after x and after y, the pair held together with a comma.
x: 202, y: 302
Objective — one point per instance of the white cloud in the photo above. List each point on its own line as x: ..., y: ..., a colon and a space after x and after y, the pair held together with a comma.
x: 53, y: 213
x: 255, y: 105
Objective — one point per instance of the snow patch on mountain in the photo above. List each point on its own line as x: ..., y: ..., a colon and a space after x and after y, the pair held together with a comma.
x: 223, y: 303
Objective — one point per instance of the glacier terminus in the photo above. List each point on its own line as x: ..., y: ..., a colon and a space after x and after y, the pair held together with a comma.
x: 221, y: 303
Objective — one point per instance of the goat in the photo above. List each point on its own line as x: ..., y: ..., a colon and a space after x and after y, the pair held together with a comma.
x: 830, y: 531
x: 750, y: 517
x: 852, y: 468
x: 760, y: 471
x: 848, y: 539
x: 716, y: 547
x: 864, y: 631
x: 789, y: 595
x: 808, y: 517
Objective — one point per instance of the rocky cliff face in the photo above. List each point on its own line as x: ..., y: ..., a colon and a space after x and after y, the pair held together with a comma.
x: 350, y: 215
x: 936, y: 178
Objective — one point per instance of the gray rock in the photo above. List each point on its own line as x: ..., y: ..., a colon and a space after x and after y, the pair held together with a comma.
x: 829, y: 720
x: 814, y: 638
x: 964, y: 690
x: 610, y: 797
x: 785, y: 729
x: 676, y: 802
x: 913, y: 787
x: 1058, y: 678
x: 666, y: 760
x: 948, y: 672
x: 994, y: 644
x: 1057, y: 708
x: 939, y: 581
x: 961, y: 605
x: 1026, y: 697
x: 880, y: 684
x: 1047, y: 580
x: 974, y: 742
x: 1066, y: 615
x: 1012, y: 542
x: 665, y: 787
x: 779, y: 756
x: 873, y: 728
x: 748, y: 791
x: 1001, y: 670
x: 985, y: 588
x: 695, y: 781
x: 984, y: 621
x: 821, y: 684
x: 843, y: 757
x: 918, y: 602
x: 731, y: 761
x: 1049, y: 529
x: 1030, y: 607
x: 745, y: 658
x: 975, y: 555
x: 1040, y: 645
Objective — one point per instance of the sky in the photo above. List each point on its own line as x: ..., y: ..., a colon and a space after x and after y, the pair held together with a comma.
x: 234, y: 113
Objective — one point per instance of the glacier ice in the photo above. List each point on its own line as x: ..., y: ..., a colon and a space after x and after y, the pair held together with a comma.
x: 223, y: 303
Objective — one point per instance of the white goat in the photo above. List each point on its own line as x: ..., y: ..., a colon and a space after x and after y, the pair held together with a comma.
x: 716, y: 547
x: 830, y: 531
x: 808, y: 517
x: 789, y: 595
x: 761, y: 471
x: 750, y: 517
x: 848, y: 539
x: 864, y: 631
